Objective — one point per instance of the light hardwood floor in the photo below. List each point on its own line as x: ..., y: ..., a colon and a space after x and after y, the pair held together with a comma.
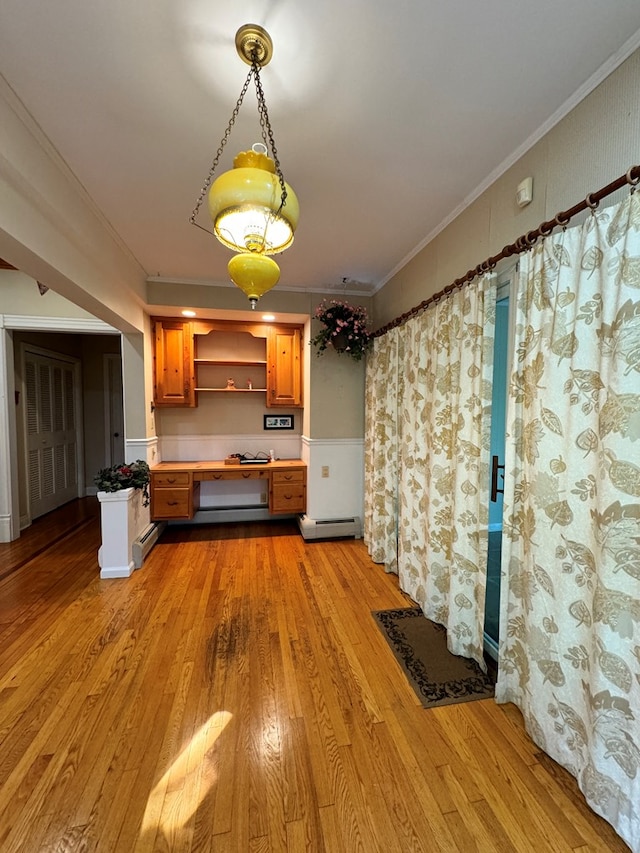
x: 235, y: 695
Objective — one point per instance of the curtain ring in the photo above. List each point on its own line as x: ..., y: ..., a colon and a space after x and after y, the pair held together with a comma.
x: 531, y: 238
x: 562, y: 220
x: 633, y: 182
x: 546, y: 231
x: 591, y: 203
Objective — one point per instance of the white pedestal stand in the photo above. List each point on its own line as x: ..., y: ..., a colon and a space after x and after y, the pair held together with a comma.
x: 123, y: 518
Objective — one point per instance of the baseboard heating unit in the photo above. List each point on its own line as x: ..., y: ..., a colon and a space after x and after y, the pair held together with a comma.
x: 334, y: 528
x: 145, y: 542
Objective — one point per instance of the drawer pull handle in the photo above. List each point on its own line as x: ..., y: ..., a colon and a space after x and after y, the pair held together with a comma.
x: 217, y: 476
x: 171, y: 479
x: 246, y: 475
x: 288, y: 476
x: 172, y: 503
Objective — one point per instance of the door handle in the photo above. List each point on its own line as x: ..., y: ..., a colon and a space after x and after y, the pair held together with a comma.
x: 495, y: 469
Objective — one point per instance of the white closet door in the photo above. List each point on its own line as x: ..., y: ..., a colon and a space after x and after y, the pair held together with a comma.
x: 51, y: 433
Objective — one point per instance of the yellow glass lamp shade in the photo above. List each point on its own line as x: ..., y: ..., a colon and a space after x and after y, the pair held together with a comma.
x: 254, y: 274
x: 244, y: 203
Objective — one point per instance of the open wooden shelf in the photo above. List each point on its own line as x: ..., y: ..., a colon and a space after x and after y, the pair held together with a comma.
x: 236, y: 390
x: 231, y: 363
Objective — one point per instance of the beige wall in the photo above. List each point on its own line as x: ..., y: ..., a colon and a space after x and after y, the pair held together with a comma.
x: 594, y: 144
x: 19, y: 295
x: 277, y: 301
x: 222, y: 414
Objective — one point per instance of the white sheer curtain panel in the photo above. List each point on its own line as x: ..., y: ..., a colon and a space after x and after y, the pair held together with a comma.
x: 570, y: 611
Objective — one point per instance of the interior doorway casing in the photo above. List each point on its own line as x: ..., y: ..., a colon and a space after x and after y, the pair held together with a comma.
x: 9, y: 487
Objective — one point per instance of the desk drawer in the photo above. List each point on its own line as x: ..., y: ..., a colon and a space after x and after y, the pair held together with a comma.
x: 171, y: 478
x: 295, y: 475
x: 243, y: 474
x: 288, y: 497
x: 172, y: 503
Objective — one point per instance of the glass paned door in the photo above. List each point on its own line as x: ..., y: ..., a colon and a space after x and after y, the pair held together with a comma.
x: 496, y: 484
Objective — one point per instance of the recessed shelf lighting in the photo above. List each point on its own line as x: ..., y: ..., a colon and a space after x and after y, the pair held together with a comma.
x: 188, y: 313
x: 268, y: 316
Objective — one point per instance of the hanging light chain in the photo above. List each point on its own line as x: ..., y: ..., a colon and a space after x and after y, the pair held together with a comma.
x: 265, y: 124
x: 267, y: 136
x: 223, y: 142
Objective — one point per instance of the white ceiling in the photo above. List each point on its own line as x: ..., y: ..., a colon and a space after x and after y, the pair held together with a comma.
x: 388, y: 117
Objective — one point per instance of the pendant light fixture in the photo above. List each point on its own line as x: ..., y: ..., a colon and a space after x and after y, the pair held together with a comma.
x: 253, y: 210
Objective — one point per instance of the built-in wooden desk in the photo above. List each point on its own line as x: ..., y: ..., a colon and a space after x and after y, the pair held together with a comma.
x: 175, y: 486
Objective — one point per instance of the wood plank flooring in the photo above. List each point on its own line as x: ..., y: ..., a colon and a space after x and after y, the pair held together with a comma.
x: 235, y: 695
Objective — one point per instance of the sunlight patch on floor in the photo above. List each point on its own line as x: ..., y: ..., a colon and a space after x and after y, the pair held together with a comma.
x: 176, y: 797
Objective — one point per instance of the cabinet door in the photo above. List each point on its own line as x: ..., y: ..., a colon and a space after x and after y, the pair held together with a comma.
x: 284, y: 359
x: 173, y: 364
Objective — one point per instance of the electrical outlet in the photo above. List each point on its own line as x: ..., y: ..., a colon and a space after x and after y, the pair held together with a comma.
x: 263, y: 498
x: 325, y: 470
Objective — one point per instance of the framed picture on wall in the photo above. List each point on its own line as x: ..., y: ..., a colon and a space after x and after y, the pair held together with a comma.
x: 278, y: 421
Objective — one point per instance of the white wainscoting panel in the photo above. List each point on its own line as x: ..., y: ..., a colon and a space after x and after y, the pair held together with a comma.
x: 142, y: 448
x: 341, y: 494
x: 196, y: 448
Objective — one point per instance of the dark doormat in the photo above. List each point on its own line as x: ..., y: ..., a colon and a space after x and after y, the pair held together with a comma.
x: 420, y: 647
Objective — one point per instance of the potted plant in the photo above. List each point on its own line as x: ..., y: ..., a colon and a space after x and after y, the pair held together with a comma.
x: 123, y: 492
x: 344, y: 328
x: 135, y: 475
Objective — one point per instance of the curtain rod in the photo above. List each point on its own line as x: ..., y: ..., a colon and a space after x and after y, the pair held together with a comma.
x: 522, y: 244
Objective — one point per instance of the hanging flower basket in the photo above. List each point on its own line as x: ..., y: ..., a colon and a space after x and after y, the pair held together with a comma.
x: 344, y: 328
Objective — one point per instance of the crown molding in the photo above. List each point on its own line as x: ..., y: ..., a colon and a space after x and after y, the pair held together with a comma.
x: 607, y: 68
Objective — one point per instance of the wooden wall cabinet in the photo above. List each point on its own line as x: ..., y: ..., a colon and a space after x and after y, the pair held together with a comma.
x: 173, y: 363
x: 192, y: 358
x: 284, y: 366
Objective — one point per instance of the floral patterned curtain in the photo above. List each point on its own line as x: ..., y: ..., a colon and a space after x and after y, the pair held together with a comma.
x: 570, y: 611
x: 444, y: 462
x: 382, y: 396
